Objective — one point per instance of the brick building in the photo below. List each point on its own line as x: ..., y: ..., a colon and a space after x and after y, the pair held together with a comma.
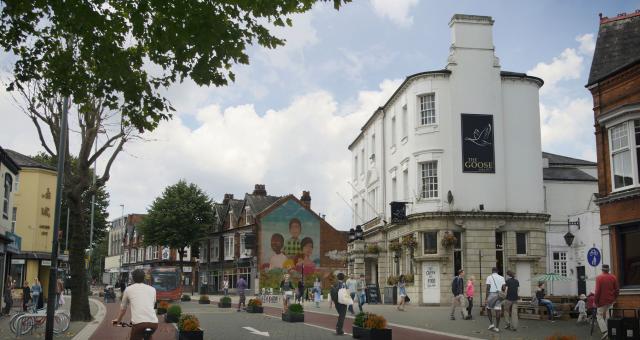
x: 614, y: 82
x: 250, y: 236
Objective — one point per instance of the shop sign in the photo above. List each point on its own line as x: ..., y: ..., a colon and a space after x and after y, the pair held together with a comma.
x: 16, y: 242
x: 165, y: 253
x: 187, y: 269
x: 478, y: 154
x: 46, y: 263
x: 17, y: 261
x: 431, y: 283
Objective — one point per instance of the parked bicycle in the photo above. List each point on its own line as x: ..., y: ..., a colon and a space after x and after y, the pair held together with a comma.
x: 148, y: 332
x: 23, y: 323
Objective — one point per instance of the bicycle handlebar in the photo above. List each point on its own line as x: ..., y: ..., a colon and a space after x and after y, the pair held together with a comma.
x: 122, y: 324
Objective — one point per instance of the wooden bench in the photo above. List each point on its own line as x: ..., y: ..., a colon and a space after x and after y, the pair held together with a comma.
x: 528, y: 311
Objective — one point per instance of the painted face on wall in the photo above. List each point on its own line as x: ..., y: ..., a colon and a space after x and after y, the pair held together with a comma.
x: 307, y: 247
x: 277, y: 242
x: 295, y: 228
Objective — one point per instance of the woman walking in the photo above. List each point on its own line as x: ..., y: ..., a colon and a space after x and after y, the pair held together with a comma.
x: 26, y: 295
x: 317, y: 292
x: 469, y: 293
x: 287, y: 288
x: 36, y: 290
x: 402, y: 292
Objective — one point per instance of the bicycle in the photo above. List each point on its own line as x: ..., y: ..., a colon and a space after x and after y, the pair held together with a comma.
x: 23, y: 323
x: 148, y: 332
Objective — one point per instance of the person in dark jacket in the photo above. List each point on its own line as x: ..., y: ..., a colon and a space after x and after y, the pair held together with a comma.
x: 340, y: 308
x: 457, y: 288
x: 26, y: 295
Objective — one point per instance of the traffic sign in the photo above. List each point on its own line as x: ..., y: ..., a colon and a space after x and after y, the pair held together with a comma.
x: 594, y: 257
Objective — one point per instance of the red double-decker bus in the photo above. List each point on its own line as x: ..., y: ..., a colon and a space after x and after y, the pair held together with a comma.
x: 166, y: 281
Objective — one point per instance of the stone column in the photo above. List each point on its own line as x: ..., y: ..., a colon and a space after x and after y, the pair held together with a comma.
x: 358, y: 257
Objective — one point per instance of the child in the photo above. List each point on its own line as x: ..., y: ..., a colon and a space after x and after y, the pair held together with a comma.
x: 582, y: 308
x: 278, y: 258
x: 293, y: 246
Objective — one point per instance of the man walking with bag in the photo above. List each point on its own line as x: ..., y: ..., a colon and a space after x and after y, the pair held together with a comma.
x: 457, y: 288
x: 495, y: 294
x: 341, y: 308
x: 511, y: 302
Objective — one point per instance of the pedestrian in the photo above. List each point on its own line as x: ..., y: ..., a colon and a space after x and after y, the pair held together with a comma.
x: 457, y: 288
x: 540, y: 296
x: 511, y: 302
x: 469, y: 292
x: 352, y: 286
x: 402, y: 293
x: 607, y: 291
x: 142, y: 298
x: 8, y: 299
x: 581, y: 307
x: 36, y: 290
x: 26, y: 295
x: 225, y: 286
x: 591, y: 304
x: 317, y: 292
x: 123, y: 286
x: 300, y: 291
x: 59, y: 290
x: 241, y: 285
x: 495, y: 284
x: 287, y: 289
x: 362, y: 294
x: 340, y: 308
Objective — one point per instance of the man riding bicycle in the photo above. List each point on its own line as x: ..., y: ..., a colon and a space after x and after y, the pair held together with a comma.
x: 142, y: 299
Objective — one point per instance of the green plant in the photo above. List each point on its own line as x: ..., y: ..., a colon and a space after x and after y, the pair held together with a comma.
x: 395, y: 246
x: 254, y: 302
x: 408, y: 278
x: 204, y: 297
x: 174, y: 312
x: 188, y: 323
x: 374, y: 321
x: 225, y: 300
x: 185, y: 297
x: 360, y: 318
x: 409, y: 241
x: 373, y: 249
x: 296, y: 308
x: 448, y: 240
x: 392, y: 280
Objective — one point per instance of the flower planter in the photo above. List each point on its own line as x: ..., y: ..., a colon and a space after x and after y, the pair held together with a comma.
x: 170, y: 319
x: 371, y: 334
x: 255, y: 309
x: 204, y: 302
x: 190, y: 335
x: 224, y: 305
x: 290, y: 317
x: 161, y: 311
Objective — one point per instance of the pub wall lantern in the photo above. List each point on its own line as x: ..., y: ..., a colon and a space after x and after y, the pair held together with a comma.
x: 569, y: 237
x: 359, y: 235
x: 352, y: 235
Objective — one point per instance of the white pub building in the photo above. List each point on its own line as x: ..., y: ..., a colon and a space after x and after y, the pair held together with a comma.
x: 461, y: 148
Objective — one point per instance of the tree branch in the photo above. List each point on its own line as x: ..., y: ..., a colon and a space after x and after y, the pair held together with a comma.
x: 105, y: 175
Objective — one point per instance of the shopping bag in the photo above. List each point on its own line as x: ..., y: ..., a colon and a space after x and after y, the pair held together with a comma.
x: 344, y: 298
x: 61, y: 301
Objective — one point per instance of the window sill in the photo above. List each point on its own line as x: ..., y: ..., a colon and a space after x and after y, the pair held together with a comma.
x: 425, y: 129
x: 627, y: 188
x: 429, y: 200
x: 634, y: 290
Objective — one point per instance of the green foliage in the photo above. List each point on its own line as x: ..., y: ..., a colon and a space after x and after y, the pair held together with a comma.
x: 375, y: 321
x: 106, y: 49
x: 174, y: 311
x: 225, y: 300
x: 188, y: 322
x: 178, y: 218
x: 204, y: 297
x: 359, y: 320
x: 296, y: 308
x: 185, y: 297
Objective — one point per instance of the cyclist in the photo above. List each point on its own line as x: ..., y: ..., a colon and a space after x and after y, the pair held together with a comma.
x: 142, y: 298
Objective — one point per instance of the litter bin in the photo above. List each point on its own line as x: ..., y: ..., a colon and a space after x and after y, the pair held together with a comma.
x: 623, y: 324
x: 391, y: 295
x: 203, y: 289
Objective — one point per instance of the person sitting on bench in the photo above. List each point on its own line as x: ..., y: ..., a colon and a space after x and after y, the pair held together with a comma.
x: 540, y: 293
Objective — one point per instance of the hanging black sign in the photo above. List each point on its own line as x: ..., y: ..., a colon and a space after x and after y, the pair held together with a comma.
x: 477, y: 143
x: 372, y: 293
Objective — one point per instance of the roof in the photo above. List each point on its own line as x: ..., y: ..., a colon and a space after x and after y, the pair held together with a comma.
x: 8, y: 161
x: 506, y: 74
x: 28, y: 162
x: 617, y: 46
x: 567, y: 174
x: 563, y: 160
x: 236, y: 207
x: 258, y: 203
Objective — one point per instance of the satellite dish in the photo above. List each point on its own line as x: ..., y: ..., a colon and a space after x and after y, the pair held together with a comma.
x: 449, y: 197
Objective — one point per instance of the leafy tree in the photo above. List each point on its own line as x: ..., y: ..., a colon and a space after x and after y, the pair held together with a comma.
x: 178, y: 219
x: 112, y: 59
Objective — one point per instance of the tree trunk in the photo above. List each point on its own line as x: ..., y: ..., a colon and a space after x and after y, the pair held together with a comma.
x: 77, y: 244
x: 181, y: 254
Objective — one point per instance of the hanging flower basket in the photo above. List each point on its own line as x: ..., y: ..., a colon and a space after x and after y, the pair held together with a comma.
x: 373, y: 249
x: 395, y: 246
x: 448, y: 240
x: 409, y: 242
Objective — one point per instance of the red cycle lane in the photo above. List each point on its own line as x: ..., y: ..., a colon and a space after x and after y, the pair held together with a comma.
x: 106, y: 331
x: 329, y: 321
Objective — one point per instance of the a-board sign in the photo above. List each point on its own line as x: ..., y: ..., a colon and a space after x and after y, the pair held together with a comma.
x: 373, y: 293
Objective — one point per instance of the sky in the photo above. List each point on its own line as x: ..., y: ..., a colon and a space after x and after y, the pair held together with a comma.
x: 287, y: 120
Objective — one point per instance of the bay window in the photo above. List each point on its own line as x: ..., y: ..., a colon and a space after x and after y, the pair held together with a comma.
x: 624, y: 147
x: 228, y: 247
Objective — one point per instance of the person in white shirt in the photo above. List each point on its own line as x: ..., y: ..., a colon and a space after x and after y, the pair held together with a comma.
x: 142, y: 299
x: 352, y: 286
x: 581, y: 307
x: 495, y: 283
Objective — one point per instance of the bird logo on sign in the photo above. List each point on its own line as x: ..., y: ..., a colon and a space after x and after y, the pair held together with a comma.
x: 480, y: 137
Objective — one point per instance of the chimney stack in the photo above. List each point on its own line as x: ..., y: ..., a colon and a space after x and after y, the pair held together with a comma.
x: 227, y: 197
x: 260, y: 190
x: 306, y: 199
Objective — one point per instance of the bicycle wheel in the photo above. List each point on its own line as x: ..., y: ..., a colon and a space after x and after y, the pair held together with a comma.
x: 12, y: 321
x: 64, y: 320
x: 24, y: 325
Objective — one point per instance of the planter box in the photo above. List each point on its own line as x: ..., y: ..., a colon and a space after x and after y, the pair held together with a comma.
x: 371, y: 334
x: 161, y: 311
x: 204, y: 302
x: 255, y: 309
x: 170, y: 319
x: 191, y: 335
x: 224, y: 305
x: 288, y: 317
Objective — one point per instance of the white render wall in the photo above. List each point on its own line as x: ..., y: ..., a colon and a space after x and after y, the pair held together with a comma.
x: 474, y: 86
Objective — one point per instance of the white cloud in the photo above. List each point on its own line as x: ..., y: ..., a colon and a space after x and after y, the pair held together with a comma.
x: 587, y: 44
x: 567, y: 66
x: 398, y: 11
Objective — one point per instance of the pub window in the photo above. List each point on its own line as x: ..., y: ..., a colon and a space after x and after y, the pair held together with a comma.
x: 457, y: 252
x: 8, y: 186
x: 621, y: 155
x: 427, y: 104
x: 430, y: 242
x: 521, y: 243
x: 429, y: 177
x: 560, y: 262
x: 499, y: 253
x: 629, y: 261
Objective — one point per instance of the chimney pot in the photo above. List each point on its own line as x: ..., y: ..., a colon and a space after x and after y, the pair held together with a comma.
x: 260, y: 190
x: 227, y: 197
x: 306, y: 199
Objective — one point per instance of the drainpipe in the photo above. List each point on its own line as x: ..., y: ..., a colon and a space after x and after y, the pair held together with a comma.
x: 384, y: 168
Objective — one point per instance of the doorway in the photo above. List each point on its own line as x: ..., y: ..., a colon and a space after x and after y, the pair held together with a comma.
x: 582, y: 280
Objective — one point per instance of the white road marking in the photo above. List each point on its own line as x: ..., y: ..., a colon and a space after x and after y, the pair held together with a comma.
x: 255, y: 331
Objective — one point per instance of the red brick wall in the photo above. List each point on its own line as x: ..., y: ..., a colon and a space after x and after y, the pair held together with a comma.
x: 331, y: 239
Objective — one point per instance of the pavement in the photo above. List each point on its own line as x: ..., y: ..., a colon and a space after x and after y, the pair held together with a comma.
x: 38, y: 333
